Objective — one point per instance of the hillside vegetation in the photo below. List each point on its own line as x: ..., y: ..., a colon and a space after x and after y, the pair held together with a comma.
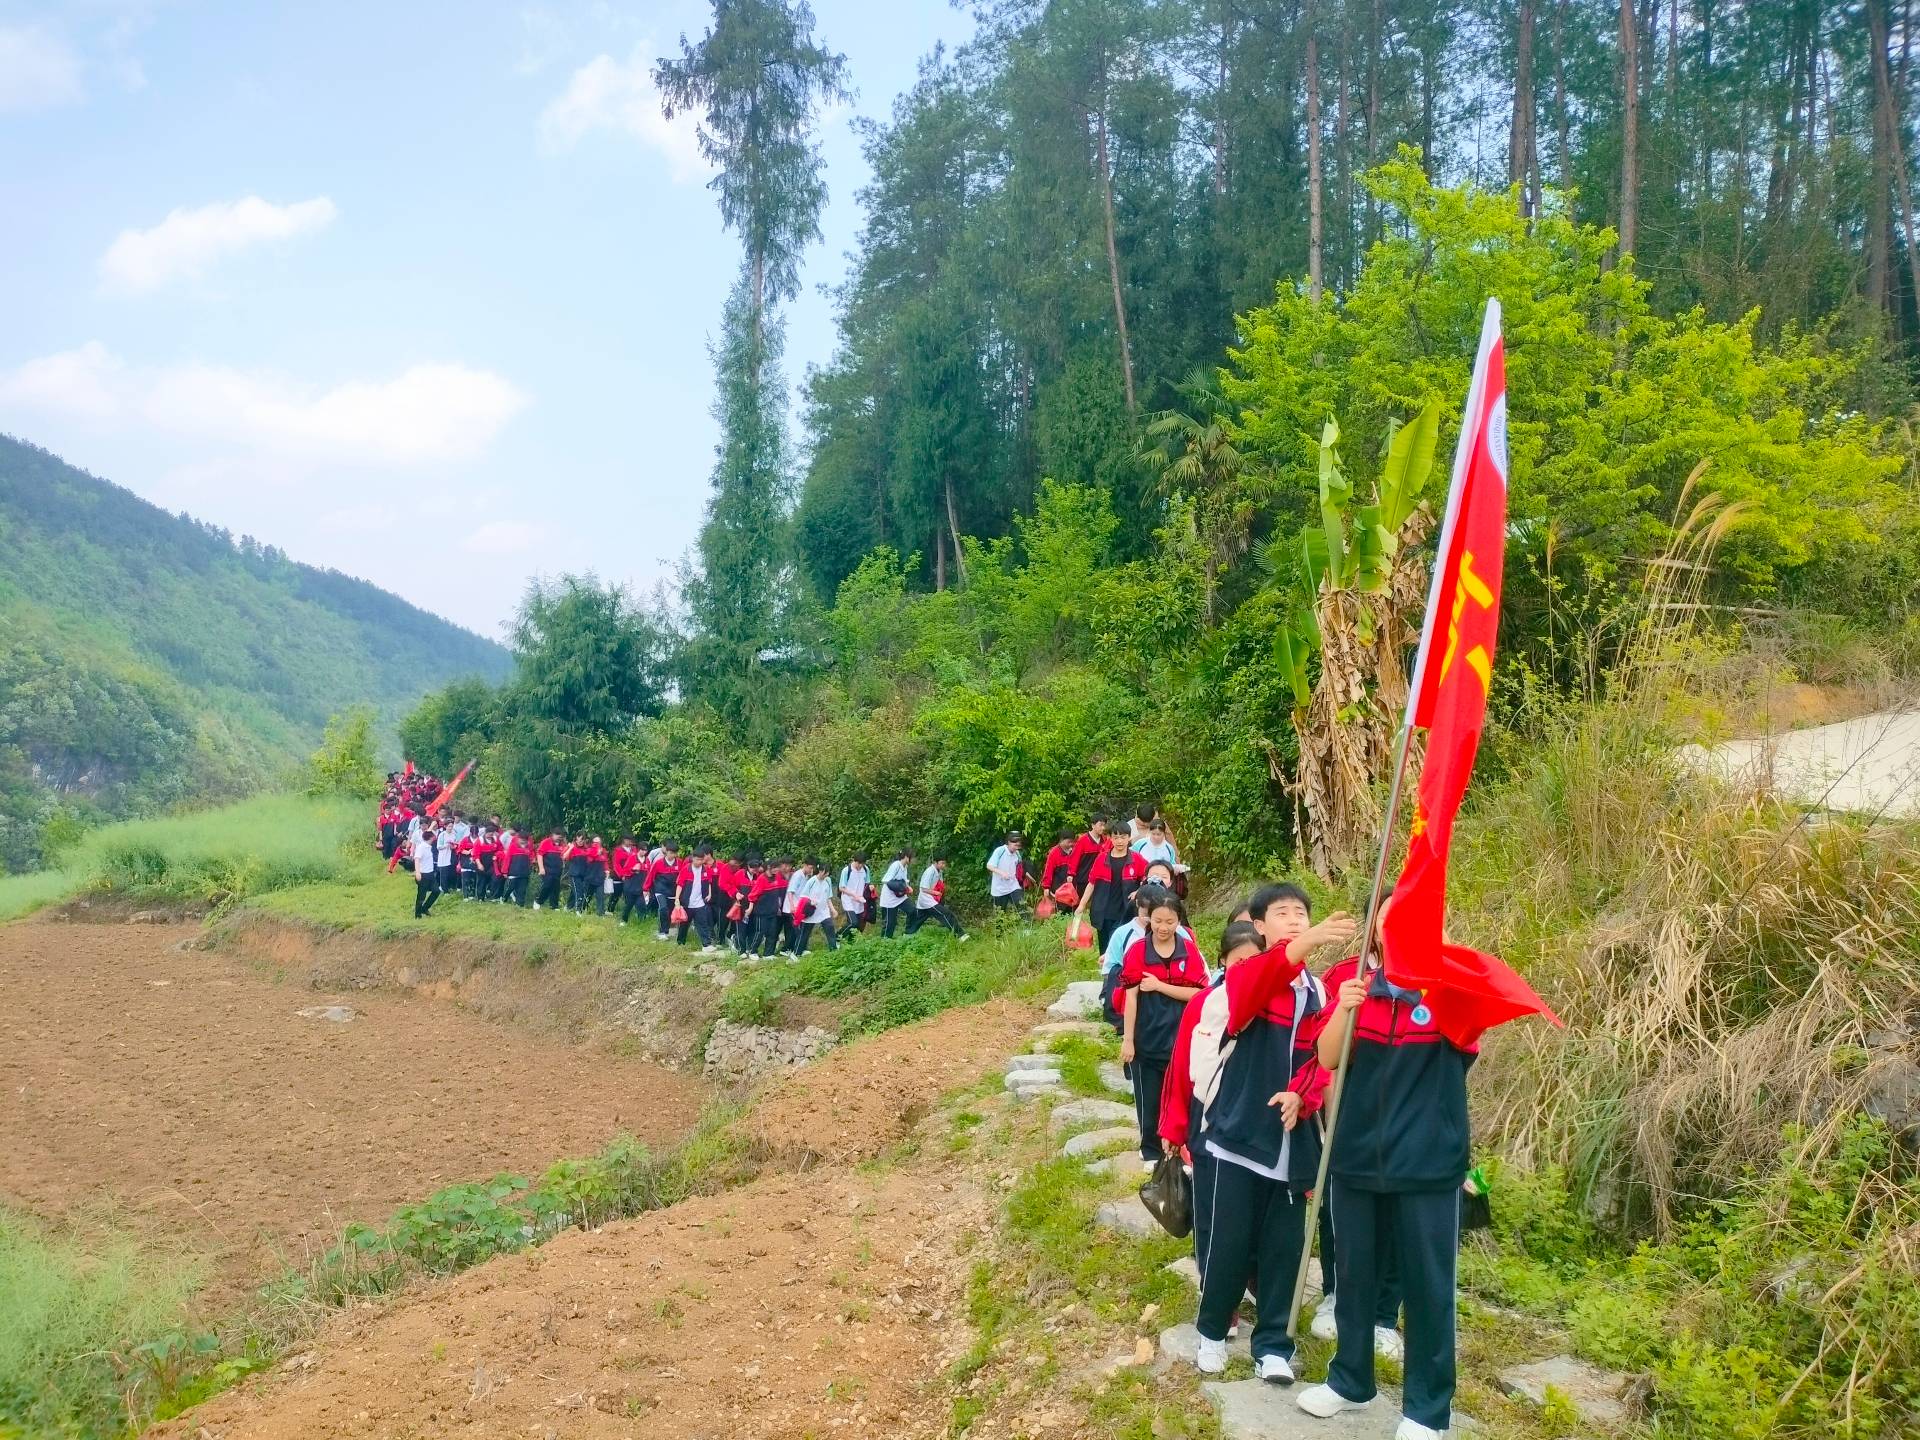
x: 147, y: 659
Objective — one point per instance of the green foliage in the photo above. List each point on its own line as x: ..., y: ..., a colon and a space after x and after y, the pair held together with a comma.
x: 94, y: 1333
x: 151, y: 661
x: 344, y: 763
x: 212, y: 857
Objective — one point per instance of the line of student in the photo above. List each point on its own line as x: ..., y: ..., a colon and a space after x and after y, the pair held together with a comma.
x: 1230, y: 1070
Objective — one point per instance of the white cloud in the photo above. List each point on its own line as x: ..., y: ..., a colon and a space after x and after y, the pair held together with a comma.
x: 609, y: 94
x: 37, y: 69
x: 426, y: 414
x: 503, y: 537
x: 188, y: 241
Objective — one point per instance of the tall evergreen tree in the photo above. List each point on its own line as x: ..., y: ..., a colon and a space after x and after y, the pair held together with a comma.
x: 755, y: 80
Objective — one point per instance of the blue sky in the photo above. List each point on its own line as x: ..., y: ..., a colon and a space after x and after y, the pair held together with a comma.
x: 419, y: 291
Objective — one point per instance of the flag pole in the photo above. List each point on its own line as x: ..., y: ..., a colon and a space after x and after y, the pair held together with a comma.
x: 1462, y: 458
x: 1332, y: 1110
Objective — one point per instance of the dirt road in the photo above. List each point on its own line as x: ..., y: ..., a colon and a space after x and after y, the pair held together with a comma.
x: 182, y: 1087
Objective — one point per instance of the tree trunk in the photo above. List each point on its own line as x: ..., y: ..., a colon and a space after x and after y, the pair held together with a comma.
x: 939, y: 559
x: 1520, y: 138
x: 1893, y: 125
x: 1373, y: 119
x: 953, y: 528
x: 1220, y: 100
x: 1630, y: 129
x: 1113, y: 254
x: 1879, y: 220
x: 1561, y: 127
x: 1343, y: 169
x: 1315, y: 276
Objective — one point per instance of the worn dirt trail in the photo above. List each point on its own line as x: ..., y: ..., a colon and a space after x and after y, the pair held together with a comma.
x: 824, y: 1302
x: 183, y: 1087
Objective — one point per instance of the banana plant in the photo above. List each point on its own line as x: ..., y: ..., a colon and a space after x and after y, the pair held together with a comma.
x: 1352, y: 579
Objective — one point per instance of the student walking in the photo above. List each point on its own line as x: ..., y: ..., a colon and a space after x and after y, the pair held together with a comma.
x: 1160, y: 974
x: 1007, y: 873
x: 548, y: 857
x: 1058, y: 864
x: 1263, y: 1155
x: 693, y: 894
x: 519, y: 862
x: 1399, y: 1159
x: 855, y: 881
x: 896, y: 888
x: 1112, y: 877
x: 930, y: 901
x: 766, y: 900
x: 425, y: 890
x: 813, y: 907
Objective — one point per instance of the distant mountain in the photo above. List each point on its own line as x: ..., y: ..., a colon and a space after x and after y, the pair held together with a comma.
x: 148, y: 659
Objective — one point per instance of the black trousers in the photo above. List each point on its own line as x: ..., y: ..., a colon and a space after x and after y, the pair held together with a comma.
x: 469, y: 881
x: 700, y: 917
x: 633, y: 896
x: 516, y: 888
x: 1386, y: 1265
x: 806, y: 933
x: 1424, y: 1231
x: 1256, y: 1227
x: 889, y: 916
x: 548, y: 896
x: 1203, y: 1167
x: 444, y: 878
x: 425, y: 892
x: 922, y: 914
x: 662, y: 901
x: 1148, y: 1072
x: 576, y: 890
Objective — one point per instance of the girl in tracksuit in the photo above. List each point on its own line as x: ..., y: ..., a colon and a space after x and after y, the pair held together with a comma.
x: 663, y: 879
x: 855, y: 886
x: 1107, y: 894
x: 765, y: 897
x: 1161, y: 973
x: 1399, y: 1159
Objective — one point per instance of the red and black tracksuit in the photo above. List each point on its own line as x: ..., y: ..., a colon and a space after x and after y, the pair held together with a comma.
x: 1251, y: 1041
x: 766, y: 895
x: 1399, y: 1159
x: 1156, y: 1025
x: 629, y: 888
x: 1111, y: 881
x: 519, y: 865
x: 485, y: 853
x: 694, y: 893
x: 550, y: 854
x: 663, y: 878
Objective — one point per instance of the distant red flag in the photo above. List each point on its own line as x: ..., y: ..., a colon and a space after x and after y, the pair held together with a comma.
x: 408, y: 772
x: 1468, y: 991
x: 433, y: 805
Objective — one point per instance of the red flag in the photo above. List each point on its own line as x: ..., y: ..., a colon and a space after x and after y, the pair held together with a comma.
x: 1467, y: 991
x: 433, y: 805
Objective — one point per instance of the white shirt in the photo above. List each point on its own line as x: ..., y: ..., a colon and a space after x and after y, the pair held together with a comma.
x: 445, y: 851
x: 1004, y: 866
x: 896, y: 871
x: 1153, y: 851
x: 929, y: 878
x: 696, y: 891
x: 1304, y: 984
x: 819, y: 896
x: 423, y: 857
x: 853, y: 889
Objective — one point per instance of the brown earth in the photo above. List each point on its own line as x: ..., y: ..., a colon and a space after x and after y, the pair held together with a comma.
x: 830, y: 1301
x: 859, y: 1099
x: 179, y: 1086
x: 799, y: 1305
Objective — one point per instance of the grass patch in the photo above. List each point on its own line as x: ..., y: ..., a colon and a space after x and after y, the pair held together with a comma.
x: 95, y: 1332
x: 895, y: 982
x: 210, y: 858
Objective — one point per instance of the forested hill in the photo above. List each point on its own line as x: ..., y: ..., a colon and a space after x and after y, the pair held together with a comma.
x: 147, y: 658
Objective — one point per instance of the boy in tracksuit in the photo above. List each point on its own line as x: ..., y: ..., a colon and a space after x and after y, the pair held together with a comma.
x: 575, y: 867
x: 896, y: 888
x: 620, y: 867
x: 694, y: 892
x: 765, y: 899
x: 548, y: 857
x: 1398, y: 1163
x: 1263, y: 1081
x: 663, y: 879
x: 519, y: 858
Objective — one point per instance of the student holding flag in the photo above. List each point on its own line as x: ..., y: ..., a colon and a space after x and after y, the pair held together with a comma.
x: 1405, y: 1026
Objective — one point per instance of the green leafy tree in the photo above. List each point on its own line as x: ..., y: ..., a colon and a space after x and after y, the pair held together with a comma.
x: 344, y: 764
x: 755, y: 81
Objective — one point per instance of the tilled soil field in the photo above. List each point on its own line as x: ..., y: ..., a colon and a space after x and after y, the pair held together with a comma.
x: 187, y: 1092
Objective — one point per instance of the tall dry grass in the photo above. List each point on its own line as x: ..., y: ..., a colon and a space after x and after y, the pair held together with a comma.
x: 1728, y: 964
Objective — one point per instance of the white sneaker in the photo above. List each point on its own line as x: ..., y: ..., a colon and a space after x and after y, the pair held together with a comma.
x: 1274, y: 1369
x: 1387, y: 1343
x: 536, y: 904
x: 1324, y: 1326
x: 1147, y: 1167
x: 1411, y: 1429
x: 1210, y: 1358
x: 1323, y: 1402
x: 709, y: 949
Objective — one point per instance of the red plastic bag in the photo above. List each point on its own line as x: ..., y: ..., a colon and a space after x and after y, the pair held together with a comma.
x: 1079, y: 936
x: 679, y: 916
x: 1044, y: 908
x: 1066, y: 894
x: 734, y: 912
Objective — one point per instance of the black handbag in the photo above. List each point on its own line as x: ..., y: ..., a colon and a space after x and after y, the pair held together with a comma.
x: 897, y: 887
x: 1168, y: 1196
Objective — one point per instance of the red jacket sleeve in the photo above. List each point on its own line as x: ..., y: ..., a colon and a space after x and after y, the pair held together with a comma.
x: 1252, y: 984
x: 1133, y: 968
x: 1176, y: 1091
x: 1310, y: 1028
x: 1310, y: 1084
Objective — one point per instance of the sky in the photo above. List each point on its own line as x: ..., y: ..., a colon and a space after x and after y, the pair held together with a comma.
x: 419, y: 291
